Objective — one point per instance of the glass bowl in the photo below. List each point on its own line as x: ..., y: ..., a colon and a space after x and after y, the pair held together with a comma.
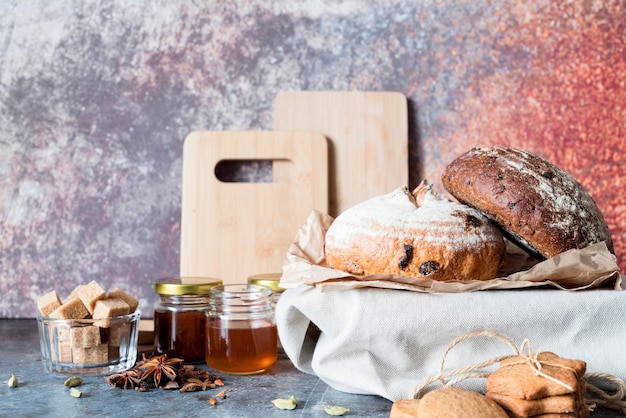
x: 89, y: 347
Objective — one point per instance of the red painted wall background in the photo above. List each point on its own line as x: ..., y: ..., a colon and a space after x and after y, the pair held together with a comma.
x: 97, y: 97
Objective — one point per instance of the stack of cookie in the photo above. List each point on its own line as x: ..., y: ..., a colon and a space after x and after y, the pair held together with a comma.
x: 557, y: 389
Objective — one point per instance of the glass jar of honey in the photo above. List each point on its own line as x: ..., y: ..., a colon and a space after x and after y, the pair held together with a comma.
x: 180, y: 317
x: 241, y: 336
x: 271, y: 280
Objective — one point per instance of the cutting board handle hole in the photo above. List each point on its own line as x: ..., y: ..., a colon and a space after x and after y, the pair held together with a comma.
x: 254, y: 171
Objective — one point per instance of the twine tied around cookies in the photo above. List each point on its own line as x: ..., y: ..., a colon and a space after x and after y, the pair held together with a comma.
x: 599, y: 397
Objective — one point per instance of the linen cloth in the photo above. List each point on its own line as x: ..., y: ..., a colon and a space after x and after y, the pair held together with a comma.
x: 384, y: 341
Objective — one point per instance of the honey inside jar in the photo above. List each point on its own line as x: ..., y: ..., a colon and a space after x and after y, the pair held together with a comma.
x: 179, y: 334
x: 180, y: 317
x: 241, y: 346
x: 241, y: 334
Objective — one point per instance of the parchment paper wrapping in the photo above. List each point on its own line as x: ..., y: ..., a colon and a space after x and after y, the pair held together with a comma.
x: 590, y: 267
x: 370, y: 338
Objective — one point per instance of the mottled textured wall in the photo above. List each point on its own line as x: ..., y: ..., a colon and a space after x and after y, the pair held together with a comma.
x: 96, y: 98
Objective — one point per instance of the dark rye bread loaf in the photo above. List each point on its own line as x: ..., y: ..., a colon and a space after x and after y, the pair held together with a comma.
x: 535, y: 203
x: 420, y: 234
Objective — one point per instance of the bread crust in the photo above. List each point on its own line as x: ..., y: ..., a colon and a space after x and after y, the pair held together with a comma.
x: 535, y: 203
x: 420, y: 234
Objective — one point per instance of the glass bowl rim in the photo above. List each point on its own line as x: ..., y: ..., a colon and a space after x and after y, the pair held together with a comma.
x: 121, y: 318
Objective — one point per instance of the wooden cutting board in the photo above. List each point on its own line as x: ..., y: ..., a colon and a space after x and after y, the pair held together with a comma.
x: 368, y: 135
x: 232, y: 230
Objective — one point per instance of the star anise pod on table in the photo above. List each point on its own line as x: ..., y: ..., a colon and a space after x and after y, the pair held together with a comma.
x: 164, y: 373
x: 160, y: 370
x: 195, y: 379
x: 128, y: 379
x: 190, y: 371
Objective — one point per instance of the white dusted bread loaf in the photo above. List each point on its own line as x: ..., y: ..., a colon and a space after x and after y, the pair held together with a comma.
x: 420, y: 234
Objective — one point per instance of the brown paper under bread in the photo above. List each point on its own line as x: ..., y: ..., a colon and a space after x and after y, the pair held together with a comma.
x: 590, y: 267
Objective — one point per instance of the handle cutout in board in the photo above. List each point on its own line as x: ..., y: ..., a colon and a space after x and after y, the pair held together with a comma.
x: 254, y: 171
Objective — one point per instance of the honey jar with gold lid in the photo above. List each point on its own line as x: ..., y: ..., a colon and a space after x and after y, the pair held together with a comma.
x: 271, y: 280
x: 241, y: 331
x: 180, y: 316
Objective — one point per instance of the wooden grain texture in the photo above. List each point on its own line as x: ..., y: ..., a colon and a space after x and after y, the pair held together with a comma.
x: 368, y: 135
x: 231, y: 230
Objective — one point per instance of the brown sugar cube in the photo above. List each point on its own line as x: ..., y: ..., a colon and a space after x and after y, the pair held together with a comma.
x: 48, y: 303
x: 74, y: 292
x: 113, y: 352
x: 90, y: 294
x: 85, y: 337
x: 108, y: 308
x: 517, y: 379
x: 60, y: 346
x: 93, y: 355
x: 132, y: 302
x: 118, y: 333
x: 74, y: 308
x: 104, y: 332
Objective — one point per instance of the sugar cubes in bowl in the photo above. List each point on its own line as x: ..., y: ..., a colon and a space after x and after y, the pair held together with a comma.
x: 91, y: 332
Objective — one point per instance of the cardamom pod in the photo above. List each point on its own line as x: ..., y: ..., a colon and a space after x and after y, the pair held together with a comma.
x: 73, y: 381
x: 76, y: 392
x: 12, y: 381
x: 290, y: 403
x: 335, y: 410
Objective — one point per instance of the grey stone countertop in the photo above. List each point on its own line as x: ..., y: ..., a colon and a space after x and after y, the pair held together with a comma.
x: 40, y: 393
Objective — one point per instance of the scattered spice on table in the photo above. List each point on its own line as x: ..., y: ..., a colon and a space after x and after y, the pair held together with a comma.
x: 282, y: 403
x: 336, y: 410
x: 165, y: 373
x: 73, y: 381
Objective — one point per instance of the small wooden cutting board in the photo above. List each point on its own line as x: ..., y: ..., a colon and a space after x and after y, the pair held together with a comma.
x: 368, y: 135
x: 232, y: 230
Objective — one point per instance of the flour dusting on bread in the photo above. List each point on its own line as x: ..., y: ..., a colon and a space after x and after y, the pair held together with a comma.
x: 420, y: 233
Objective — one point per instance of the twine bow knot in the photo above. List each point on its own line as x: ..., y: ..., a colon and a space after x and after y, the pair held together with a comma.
x: 615, y: 401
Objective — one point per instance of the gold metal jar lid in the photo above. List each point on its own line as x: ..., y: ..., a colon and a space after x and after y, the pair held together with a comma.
x: 271, y: 280
x: 185, y: 285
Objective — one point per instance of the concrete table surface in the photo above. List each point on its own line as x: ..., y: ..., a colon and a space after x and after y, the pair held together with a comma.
x: 42, y: 394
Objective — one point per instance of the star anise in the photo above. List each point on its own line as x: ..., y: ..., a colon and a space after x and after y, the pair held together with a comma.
x: 160, y: 369
x: 125, y: 380
x: 163, y: 373
x: 190, y: 371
